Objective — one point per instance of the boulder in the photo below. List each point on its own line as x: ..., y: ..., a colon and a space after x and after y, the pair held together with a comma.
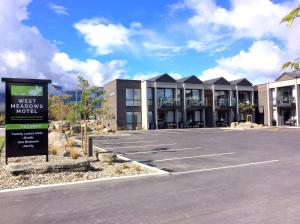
x: 53, y: 166
x: 66, y: 126
x: 233, y: 124
x: 76, y: 129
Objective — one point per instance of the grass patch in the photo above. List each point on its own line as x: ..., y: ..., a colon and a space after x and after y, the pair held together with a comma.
x: 2, y: 139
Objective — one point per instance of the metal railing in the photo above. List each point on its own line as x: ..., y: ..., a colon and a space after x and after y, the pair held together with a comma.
x: 168, y: 102
x: 222, y: 102
x: 195, y: 102
x: 284, y: 100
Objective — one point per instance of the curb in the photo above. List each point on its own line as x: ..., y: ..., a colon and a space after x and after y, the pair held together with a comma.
x: 78, y: 182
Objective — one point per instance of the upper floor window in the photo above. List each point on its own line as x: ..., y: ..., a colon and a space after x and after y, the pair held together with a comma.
x: 133, y: 97
x: 192, y: 94
x: 150, y: 96
x: 165, y: 93
x: 244, y: 96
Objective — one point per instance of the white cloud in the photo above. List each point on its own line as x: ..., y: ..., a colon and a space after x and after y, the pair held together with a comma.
x: 25, y: 53
x: 93, y: 70
x: 106, y: 38
x: 58, y: 9
x: 215, y: 28
x: 103, y: 36
x: 260, y: 63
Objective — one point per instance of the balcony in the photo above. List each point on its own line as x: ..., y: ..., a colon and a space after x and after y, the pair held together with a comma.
x: 168, y: 103
x: 284, y: 101
x: 222, y: 102
x: 195, y: 102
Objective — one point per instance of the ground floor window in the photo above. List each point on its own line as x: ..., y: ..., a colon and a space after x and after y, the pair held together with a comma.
x: 170, y: 116
x: 133, y: 119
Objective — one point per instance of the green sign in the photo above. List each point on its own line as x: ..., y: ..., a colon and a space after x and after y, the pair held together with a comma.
x: 19, y: 90
x: 26, y: 108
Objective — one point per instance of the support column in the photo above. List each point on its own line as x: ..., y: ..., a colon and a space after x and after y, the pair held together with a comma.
x: 237, y: 104
x: 176, y: 111
x: 269, y: 105
x: 203, y: 107
x: 214, y: 107
x: 144, y: 100
x: 252, y: 102
x: 230, y: 106
x: 277, y: 110
x: 297, y: 101
x: 155, y: 106
x: 184, y: 107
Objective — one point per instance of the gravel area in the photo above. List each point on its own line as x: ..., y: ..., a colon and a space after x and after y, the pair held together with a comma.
x: 98, y: 170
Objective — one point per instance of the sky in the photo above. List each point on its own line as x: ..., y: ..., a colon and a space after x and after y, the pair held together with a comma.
x: 137, y: 39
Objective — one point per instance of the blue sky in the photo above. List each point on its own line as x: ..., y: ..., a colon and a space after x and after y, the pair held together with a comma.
x: 138, y: 39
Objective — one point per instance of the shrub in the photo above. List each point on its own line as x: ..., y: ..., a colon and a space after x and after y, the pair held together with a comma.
x: 136, y: 167
x: 119, y: 170
x: 2, y: 140
x: 53, y: 149
x: 74, y: 153
x: 125, y: 166
x: 71, y: 142
x: 2, y: 119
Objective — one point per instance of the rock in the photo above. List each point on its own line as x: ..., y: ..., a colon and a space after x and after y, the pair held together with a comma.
x: 50, y: 127
x: 233, y: 124
x: 76, y: 129
x: 54, y: 166
x: 107, y: 157
x: 58, y: 140
x: 66, y: 126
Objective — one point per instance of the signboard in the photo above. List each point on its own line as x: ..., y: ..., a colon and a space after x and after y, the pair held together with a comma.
x: 26, y: 109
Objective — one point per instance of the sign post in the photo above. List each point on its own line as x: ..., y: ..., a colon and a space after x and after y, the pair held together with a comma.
x: 26, y: 120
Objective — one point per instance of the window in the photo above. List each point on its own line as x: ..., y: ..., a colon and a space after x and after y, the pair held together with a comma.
x: 244, y: 96
x: 197, y: 115
x: 133, y: 97
x: 195, y: 94
x: 133, y: 119
x: 150, y: 116
x: 150, y: 96
x: 169, y: 93
x: 160, y: 93
x: 170, y: 116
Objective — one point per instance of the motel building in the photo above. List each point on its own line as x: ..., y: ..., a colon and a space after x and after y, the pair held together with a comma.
x: 164, y: 102
x: 280, y: 100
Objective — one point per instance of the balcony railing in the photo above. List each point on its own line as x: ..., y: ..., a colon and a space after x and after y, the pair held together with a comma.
x: 195, y: 102
x: 222, y: 102
x: 168, y: 102
x: 284, y: 100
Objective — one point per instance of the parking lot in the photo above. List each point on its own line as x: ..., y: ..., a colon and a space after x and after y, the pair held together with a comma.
x: 217, y: 176
x: 181, y: 151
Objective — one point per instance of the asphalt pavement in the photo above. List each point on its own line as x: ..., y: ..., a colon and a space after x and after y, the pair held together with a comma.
x: 216, y: 176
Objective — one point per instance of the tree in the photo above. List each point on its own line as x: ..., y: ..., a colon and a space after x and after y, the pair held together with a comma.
x: 90, y: 98
x: 57, y: 107
x: 247, y: 108
x: 289, y: 19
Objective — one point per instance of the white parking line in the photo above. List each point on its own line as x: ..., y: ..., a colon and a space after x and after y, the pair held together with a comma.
x: 167, y: 150
x: 115, y: 138
x: 170, y: 132
x: 226, y: 167
x: 138, y: 146
x: 128, y: 142
x: 191, y: 157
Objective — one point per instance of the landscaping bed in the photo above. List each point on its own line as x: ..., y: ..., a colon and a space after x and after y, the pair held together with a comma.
x: 96, y: 170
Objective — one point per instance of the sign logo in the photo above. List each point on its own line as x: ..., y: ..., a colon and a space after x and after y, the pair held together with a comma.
x: 26, y: 90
